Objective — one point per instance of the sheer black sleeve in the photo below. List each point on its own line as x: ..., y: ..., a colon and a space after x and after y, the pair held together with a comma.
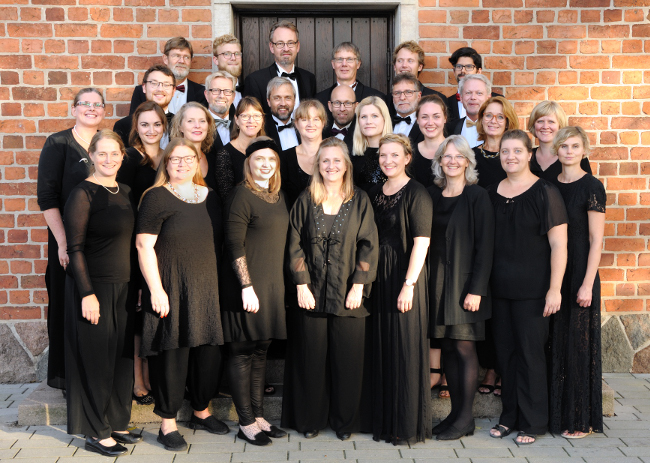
x: 554, y: 209
x: 76, y: 217
x: 367, y: 242
x: 224, y: 173
x: 597, y: 196
x: 297, y: 258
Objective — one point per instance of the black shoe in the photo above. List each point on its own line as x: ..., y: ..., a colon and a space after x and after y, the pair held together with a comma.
x: 172, y: 441
x: 452, y: 433
x: 259, y: 439
x: 440, y: 427
x: 343, y: 435
x: 311, y: 434
x: 275, y: 432
x: 128, y: 438
x: 210, y: 424
x: 93, y: 445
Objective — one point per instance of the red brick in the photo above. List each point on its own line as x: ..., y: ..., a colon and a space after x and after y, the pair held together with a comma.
x: 32, y: 281
x: 78, y: 46
x: 147, y: 15
x: 101, y: 46
x: 190, y: 2
x: 183, y: 31
x: 566, y: 32
x: 632, y: 46
x: 546, y: 62
x: 15, y: 62
x: 632, y: 3
x: 29, y: 30
x: 634, y: 15
x: 124, y: 46
x: 590, y: 16
x: 525, y: 93
x: 57, y: 78
x: 102, y: 62
x: 56, y: 62
x: 75, y: 30
x: 567, y: 47
x: 20, y: 313
x: 609, y: 32
x: 589, y: 62
x: 567, y: 77
x: 546, y: 78
x: 624, y: 244
x: 589, y: 77
x: 456, y: 16
x: 632, y: 123
x: 53, y: 14
x: 524, y: 48
x: 122, y: 14
x: 568, y: 93
x: 523, y: 32
x: 34, y: 110
x: 607, y: 138
x: 19, y: 297
x: 546, y: 47
x: 12, y: 141
x: 40, y: 297
x: 11, y: 109
x: 149, y: 3
x: 198, y: 15
x: 502, y: 62
x: 611, y: 77
x: 54, y: 46
x: 125, y: 31
x: 624, y: 305
x: 503, y: 3
x: 545, y: 16
x: 625, y: 289
x: 611, y: 92
x: 21, y: 266
x: 8, y: 281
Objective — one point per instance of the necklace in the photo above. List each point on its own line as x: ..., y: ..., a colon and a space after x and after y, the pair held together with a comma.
x: 178, y: 195
x: 488, y: 156
x: 74, y: 129
x: 106, y: 188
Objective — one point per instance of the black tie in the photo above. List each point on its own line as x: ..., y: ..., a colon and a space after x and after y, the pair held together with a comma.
x: 336, y: 131
x: 398, y: 119
x: 288, y: 75
x: 288, y: 126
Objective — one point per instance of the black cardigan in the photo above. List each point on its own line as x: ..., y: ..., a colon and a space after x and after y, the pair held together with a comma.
x: 331, y: 261
x: 469, y: 249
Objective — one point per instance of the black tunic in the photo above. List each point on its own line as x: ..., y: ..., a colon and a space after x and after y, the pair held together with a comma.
x: 330, y: 261
x: 229, y: 169
x: 554, y: 169
x: 366, y: 170
x: 294, y: 179
x: 185, y: 250
x: 400, y: 358
x: 420, y: 168
x: 256, y: 230
x: 488, y: 166
x: 575, y: 382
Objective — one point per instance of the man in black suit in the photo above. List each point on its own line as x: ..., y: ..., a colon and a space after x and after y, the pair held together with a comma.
x: 406, y: 96
x: 284, y: 45
x: 474, y: 90
x: 408, y: 57
x: 177, y: 57
x: 220, y: 93
x: 342, y: 104
x: 227, y: 57
x: 346, y: 61
x: 158, y: 85
x: 278, y: 124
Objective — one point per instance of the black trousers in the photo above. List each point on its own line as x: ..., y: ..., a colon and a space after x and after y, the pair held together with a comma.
x: 171, y: 370
x: 324, y: 372
x: 246, y: 371
x: 55, y: 284
x: 520, y: 334
x: 99, y: 362
x: 487, y: 356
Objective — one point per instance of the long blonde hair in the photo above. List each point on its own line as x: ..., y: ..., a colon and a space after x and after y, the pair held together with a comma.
x: 317, y: 187
x: 176, y: 132
x: 359, y: 141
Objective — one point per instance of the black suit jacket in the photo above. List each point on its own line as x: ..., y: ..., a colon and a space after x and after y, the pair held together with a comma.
x: 425, y: 92
x: 327, y: 132
x: 218, y: 144
x: 455, y: 127
x: 195, y: 92
x: 360, y: 91
x: 415, y: 135
x: 452, y: 107
x: 123, y: 127
x: 272, y: 131
x: 255, y: 84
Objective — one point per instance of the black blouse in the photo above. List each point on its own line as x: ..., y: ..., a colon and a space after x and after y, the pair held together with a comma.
x: 488, y: 166
x: 420, y: 168
x: 331, y: 260
x: 228, y: 170
x: 294, y: 179
x: 555, y: 169
x: 129, y: 168
x: 366, y: 170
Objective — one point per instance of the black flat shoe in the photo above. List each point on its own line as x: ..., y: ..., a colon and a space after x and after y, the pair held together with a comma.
x: 310, y: 434
x: 452, y: 433
x: 275, y: 432
x: 440, y: 427
x: 172, y: 441
x: 93, y: 445
x: 259, y: 439
x: 210, y: 424
x: 128, y: 438
x: 343, y: 435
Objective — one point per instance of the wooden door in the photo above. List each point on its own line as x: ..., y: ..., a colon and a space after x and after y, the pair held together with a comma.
x: 320, y: 32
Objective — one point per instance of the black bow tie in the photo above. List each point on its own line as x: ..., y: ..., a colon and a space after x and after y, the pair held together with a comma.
x: 223, y: 122
x: 336, y: 131
x: 238, y: 88
x: 398, y: 119
x: 289, y: 75
x: 288, y: 126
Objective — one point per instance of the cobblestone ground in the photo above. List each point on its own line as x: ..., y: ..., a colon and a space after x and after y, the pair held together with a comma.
x: 626, y: 439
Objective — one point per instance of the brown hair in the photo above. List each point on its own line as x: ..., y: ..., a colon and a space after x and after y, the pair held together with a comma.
x: 512, y: 121
x: 411, y: 46
x: 407, y: 77
x: 302, y: 111
x: 160, y: 68
x: 223, y: 40
x: 179, y: 43
x: 283, y: 25
x: 245, y: 103
x: 520, y: 135
x: 83, y: 91
x: 175, y: 129
x: 134, y: 136
x: 317, y: 188
x: 349, y: 46
x: 104, y: 134
x: 274, y: 181
x: 432, y: 99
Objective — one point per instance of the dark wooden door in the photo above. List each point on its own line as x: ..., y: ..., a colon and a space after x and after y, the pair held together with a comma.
x: 320, y: 32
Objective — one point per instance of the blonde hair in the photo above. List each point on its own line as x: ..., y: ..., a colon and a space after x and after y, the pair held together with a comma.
x: 512, y: 121
x: 103, y: 135
x: 177, y: 120
x: 359, y: 141
x: 471, y: 174
x: 302, y: 111
x: 245, y: 103
x: 411, y: 46
x: 547, y: 108
x: 274, y: 181
x: 316, y: 186
x: 565, y: 133
x: 223, y: 40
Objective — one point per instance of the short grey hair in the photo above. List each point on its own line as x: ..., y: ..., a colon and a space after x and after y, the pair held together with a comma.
x: 349, y: 46
x: 471, y: 174
x: 480, y: 77
x: 276, y: 83
x: 223, y: 74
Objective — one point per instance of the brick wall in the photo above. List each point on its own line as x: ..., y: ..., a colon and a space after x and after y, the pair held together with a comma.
x: 590, y: 55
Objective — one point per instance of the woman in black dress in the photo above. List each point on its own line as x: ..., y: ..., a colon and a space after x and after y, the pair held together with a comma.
x: 460, y: 261
x: 400, y: 355
x: 63, y: 164
x: 298, y: 163
x: 229, y: 162
x: 333, y: 260
x: 545, y: 120
x: 195, y: 123
x: 99, y: 222
x: 178, y: 232
x: 257, y: 222
x: 373, y: 122
x: 530, y: 254
x: 575, y: 382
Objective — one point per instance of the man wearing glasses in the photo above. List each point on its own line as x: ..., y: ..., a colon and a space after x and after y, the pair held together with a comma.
x: 227, y: 57
x: 281, y: 97
x: 177, y: 57
x: 346, y: 61
x: 342, y: 104
x: 406, y: 96
x: 220, y: 93
x: 284, y: 45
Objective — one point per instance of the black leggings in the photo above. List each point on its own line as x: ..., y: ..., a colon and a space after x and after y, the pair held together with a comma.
x: 247, y: 369
x: 461, y: 369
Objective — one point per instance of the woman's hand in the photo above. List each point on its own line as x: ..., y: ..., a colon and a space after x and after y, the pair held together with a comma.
x: 405, y: 299
x: 64, y: 260
x: 90, y: 309
x: 353, y: 301
x: 553, y: 300
x: 472, y: 302
x: 584, y: 295
x: 249, y: 300
x: 305, y: 298
x: 160, y: 302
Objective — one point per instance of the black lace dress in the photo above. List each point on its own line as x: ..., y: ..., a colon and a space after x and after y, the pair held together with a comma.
x: 366, y: 171
x: 575, y: 395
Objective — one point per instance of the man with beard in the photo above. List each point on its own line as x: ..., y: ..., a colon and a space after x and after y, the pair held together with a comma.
x: 342, y: 104
x: 177, y: 57
x: 220, y: 93
x: 474, y: 90
x: 281, y: 99
x: 406, y: 96
x: 227, y: 57
x: 284, y: 45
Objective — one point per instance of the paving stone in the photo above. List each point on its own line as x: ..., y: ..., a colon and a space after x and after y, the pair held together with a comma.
x: 92, y: 458
x: 438, y: 460
x: 499, y: 460
x: 312, y: 444
x: 566, y: 459
x: 484, y: 453
x: 315, y: 455
x: 627, y: 424
x: 383, y: 454
x: 636, y: 451
x: 40, y: 443
x: 629, y: 433
x: 589, y: 442
x: 204, y: 437
x: 278, y: 444
x: 440, y: 444
x: 196, y: 458
x: 427, y: 453
x: 8, y: 454
x: 265, y: 456
x: 609, y: 460
x: 167, y: 458
x: 534, y: 451
x: 637, y: 441
x: 217, y: 448
x: 401, y: 460
x: 6, y: 443
x: 46, y: 452
x: 593, y: 452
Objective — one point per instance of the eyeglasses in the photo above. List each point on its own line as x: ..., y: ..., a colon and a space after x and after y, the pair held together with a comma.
x: 248, y: 117
x: 156, y: 84
x: 406, y: 93
x: 449, y: 158
x: 230, y: 54
x: 291, y: 44
x: 490, y: 116
x: 345, y: 60
x: 88, y: 104
x: 217, y: 91
x: 177, y: 159
x: 175, y: 56
x: 467, y: 67
x: 346, y: 104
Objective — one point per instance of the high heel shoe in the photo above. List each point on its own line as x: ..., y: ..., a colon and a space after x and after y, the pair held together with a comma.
x: 452, y: 433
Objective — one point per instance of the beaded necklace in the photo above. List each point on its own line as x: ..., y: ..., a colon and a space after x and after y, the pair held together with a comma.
x: 178, y: 195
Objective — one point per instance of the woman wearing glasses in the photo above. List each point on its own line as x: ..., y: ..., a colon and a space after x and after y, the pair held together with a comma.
x: 63, y: 164
x: 229, y: 162
x: 179, y: 228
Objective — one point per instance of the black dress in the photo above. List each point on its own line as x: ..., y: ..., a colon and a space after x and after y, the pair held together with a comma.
x: 63, y: 164
x: 555, y: 169
x: 129, y: 167
x: 400, y: 355
x: 575, y: 383
x: 366, y: 170
x: 99, y: 358
x: 229, y: 170
x: 210, y: 176
x: 488, y: 166
x: 420, y: 168
x: 294, y: 179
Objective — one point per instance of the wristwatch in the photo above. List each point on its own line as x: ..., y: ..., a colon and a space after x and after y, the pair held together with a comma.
x: 408, y: 282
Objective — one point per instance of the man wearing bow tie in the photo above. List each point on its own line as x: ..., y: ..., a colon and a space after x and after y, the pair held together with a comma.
x: 281, y: 98
x: 177, y: 56
x: 220, y: 93
x: 284, y: 45
x: 342, y: 104
x: 406, y: 95
x: 474, y: 90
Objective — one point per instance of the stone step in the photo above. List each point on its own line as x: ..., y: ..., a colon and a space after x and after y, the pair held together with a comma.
x: 46, y: 406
